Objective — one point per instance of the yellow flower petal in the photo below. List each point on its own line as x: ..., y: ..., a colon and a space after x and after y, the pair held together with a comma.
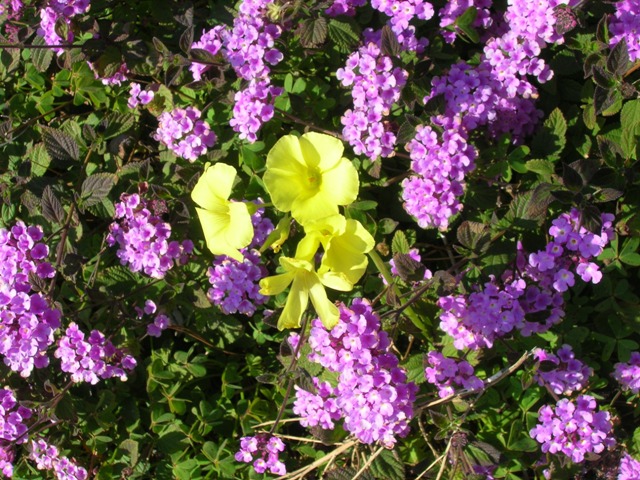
x: 340, y: 183
x: 275, y: 284
x: 214, y: 185
x: 285, y: 178
x: 321, y: 151
x: 305, y: 209
x: 297, y: 301
x: 335, y: 280
x: 325, y: 308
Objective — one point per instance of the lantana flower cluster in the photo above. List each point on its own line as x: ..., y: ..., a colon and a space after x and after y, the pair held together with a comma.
x: 249, y: 46
x: 263, y: 451
x: 59, y: 11
x: 372, y: 395
x: 160, y: 322
x: 625, y: 24
x: 400, y: 13
x: 143, y: 238
x: 137, y: 96
x: 629, y: 468
x: 447, y: 373
x: 93, y: 359
x: 573, y: 428
x: 571, y: 374
x: 27, y: 321
x: 184, y: 133
x: 11, y: 10
x: 628, y: 374
x: 234, y: 283
x: 375, y: 86
x: 47, y: 457
x: 13, y: 429
x: 534, y: 287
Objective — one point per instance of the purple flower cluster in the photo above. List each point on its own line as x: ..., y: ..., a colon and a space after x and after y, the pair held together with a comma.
x: 13, y: 430
x: 253, y: 107
x: 143, y: 238
x: 182, y: 131
x: 570, y: 375
x: 454, y: 8
x: 534, y: 289
x: 160, y: 322
x: 265, y: 450
x: 400, y: 13
x: 59, y: 11
x: 47, y: 457
x: 234, y: 284
x: 372, y: 394
x: 93, y: 359
x: 344, y: 7
x: 628, y: 374
x: 11, y: 10
x: 574, y: 429
x: 27, y: 321
x: 629, y: 468
x: 210, y: 41
x: 625, y: 24
x: 441, y: 163
x: 137, y: 96
x: 249, y: 46
x: 375, y: 86
x: 446, y: 373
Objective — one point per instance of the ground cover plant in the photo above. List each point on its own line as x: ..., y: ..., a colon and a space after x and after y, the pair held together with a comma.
x: 338, y: 239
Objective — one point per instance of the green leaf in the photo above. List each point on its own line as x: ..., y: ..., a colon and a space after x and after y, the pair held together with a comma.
x: 51, y: 207
x: 415, y: 369
x: 202, y: 56
x: 41, y: 57
x: 541, y: 167
x: 96, y: 187
x: 387, y: 466
x: 606, y: 102
x: 60, y: 145
x: 400, y: 244
x: 550, y: 140
x: 343, y: 34
x: 618, y: 59
x: 40, y: 160
x: 628, y: 254
x: 313, y: 32
x: 389, y: 42
x: 474, y: 236
x: 465, y: 21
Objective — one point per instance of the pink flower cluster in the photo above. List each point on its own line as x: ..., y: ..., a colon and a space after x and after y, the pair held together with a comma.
x: 13, y: 429
x: 12, y: 10
x: 629, y: 468
x: 570, y: 375
x: 93, y: 359
x: 182, y: 131
x: 263, y: 450
x: 625, y: 24
x: 59, y: 11
x: 27, y: 321
x: 344, y: 7
x: 372, y: 394
x: 137, y: 96
x: 533, y: 290
x: 628, y: 374
x: 574, y: 429
x: 47, y: 457
x: 249, y: 46
x: 400, y: 13
x: 143, y: 238
x: 446, y: 373
x: 234, y: 284
x: 375, y: 86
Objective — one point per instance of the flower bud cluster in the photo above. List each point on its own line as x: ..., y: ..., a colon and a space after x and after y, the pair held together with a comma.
x: 234, y: 284
x: 447, y: 373
x: 535, y: 288
x: 625, y: 24
x: 182, y: 131
x: 93, y: 359
x: 137, y: 96
x: 372, y: 394
x: 47, y: 457
x: 628, y: 374
x: 570, y: 376
x: 143, y: 238
x: 13, y: 430
x: 441, y: 162
x: 27, y: 321
x: 263, y: 450
x: 160, y: 322
x: 629, y: 468
x: 574, y: 429
x: 249, y: 46
x: 375, y: 86
x: 61, y: 11
x: 454, y: 8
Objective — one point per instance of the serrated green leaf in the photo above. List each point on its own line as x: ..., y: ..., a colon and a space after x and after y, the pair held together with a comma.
x: 618, y: 59
x: 400, y: 244
x: 387, y: 466
x: 40, y: 160
x: 96, y: 187
x: 60, y: 145
x: 541, y: 167
x: 343, y: 34
x: 313, y: 32
x: 51, y: 207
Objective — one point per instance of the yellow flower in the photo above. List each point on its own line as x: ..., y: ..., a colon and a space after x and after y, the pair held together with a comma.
x: 309, y: 177
x: 226, y: 225
x: 345, y: 242
x: 305, y: 283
